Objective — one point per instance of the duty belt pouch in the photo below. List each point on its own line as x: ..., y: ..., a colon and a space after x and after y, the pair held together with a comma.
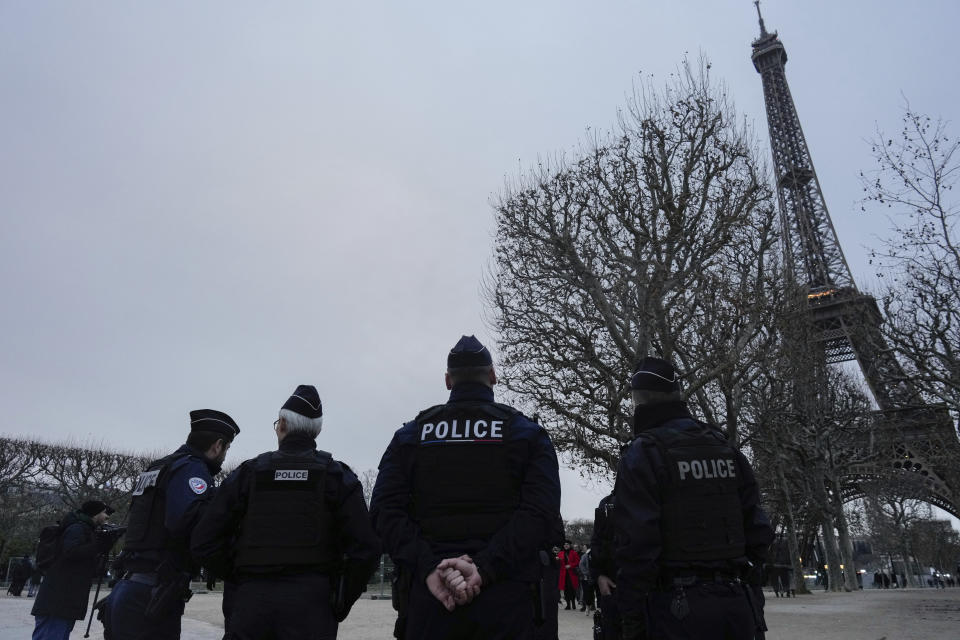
x: 400, y: 585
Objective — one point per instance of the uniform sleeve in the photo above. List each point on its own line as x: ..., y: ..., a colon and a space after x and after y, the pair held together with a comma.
x: 399, y: 534
x: 758, y: 534
x: 189, y: 490
x: 636, y: 523
x: 601, y: 563
x: 357, y: 539
x: 514, y: 544
x: 212, y: 538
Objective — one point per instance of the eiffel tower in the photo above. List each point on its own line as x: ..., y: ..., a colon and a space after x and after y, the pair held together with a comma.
x: 907, y: 437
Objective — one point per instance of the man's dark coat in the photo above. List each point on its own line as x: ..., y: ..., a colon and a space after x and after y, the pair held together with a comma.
x: 65, y: 590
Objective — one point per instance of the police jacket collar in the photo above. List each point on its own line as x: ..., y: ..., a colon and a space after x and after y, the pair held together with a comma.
x: 653, y: 415
x: 298, y: 442
x: 466, y: 391
x: 212, y: 466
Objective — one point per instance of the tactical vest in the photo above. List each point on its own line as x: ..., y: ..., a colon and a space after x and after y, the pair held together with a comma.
x: 701, y: 516
x: 287, y: 521
x: 148, y: 508
x: 465, y: 486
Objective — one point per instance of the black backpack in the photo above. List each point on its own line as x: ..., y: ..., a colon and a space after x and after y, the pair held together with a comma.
x: 48, y: 547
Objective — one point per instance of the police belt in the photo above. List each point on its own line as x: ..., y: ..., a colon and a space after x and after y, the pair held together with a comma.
x: 149, y: 579
x: 689, y: 579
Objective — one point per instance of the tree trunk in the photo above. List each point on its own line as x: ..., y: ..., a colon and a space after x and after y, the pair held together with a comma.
x: 907, y: 570
x: 799, y: 583
x: 846, y: 545
x: 846, y: 551
x: 832, y: 552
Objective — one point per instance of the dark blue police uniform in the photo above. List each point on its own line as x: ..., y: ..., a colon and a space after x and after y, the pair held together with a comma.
x: 468, y: 477
x: 289, y: 528
x: 602, y: 564
x: 688, y: 525
x: 168, y: 499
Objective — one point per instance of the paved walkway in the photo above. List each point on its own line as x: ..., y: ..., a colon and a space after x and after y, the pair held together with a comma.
x: 907, y: 614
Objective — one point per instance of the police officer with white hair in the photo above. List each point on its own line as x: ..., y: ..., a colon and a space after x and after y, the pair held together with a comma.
x: 463, y: 501
x: 291, y: 529
x: 687, y: 521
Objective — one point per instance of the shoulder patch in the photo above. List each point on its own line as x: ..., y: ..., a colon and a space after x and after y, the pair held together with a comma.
x: 198, y: 485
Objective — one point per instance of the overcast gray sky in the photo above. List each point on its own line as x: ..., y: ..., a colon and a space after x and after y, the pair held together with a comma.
x: 206, y: 204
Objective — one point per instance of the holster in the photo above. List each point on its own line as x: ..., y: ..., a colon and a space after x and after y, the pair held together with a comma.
x: 102, y: 607
x: 340, y: 607
x: 540, y: 604
x: 171, y: 591
x: 400, y: 586
x: 757, y: 609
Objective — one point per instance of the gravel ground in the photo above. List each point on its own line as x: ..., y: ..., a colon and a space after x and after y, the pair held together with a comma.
x: 867, y: 615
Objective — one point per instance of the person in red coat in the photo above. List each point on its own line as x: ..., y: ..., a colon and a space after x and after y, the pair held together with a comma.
x: 568, y: 582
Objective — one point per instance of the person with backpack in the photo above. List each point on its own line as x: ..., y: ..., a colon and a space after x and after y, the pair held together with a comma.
x: 65, y: 590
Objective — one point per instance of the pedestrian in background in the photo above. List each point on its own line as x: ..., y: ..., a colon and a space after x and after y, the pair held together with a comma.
x: 19, y: 574
x: 568, y: 581
x: 588, y: 599
x: 65, y: 590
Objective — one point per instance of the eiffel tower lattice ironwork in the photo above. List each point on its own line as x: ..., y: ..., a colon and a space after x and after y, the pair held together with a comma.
x: 907, y: 436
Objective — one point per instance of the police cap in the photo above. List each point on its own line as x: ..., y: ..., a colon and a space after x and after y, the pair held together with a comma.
x: 654, y: 374
x: 305, y: 401
x: 215, y: 421
x: 468, y: 352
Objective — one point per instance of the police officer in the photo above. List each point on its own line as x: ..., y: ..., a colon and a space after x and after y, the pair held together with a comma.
x: 465, y: 496
x: 291, y: 528
x: 688, y: 524
x: 168, y: 499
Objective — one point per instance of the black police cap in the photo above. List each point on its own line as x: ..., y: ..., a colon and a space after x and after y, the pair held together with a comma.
x: 654, y: 374
x: 305, y: 401
x: 215, y: 421
x: 468, y: 352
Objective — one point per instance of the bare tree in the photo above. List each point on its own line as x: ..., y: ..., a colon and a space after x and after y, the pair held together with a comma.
x: 18, y: 462
x: 655, y: 239
x: 368, y: 480
x: 914, y: 179
x: 579, y: 531
x: 80, y: 473
x: 810, y: 421
x: 892, y: 516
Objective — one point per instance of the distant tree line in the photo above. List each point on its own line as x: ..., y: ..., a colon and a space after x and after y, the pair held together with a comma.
x: 40, y: 482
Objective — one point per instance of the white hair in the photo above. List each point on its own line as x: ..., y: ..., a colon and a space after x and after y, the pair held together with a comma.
x: 297, y: 423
